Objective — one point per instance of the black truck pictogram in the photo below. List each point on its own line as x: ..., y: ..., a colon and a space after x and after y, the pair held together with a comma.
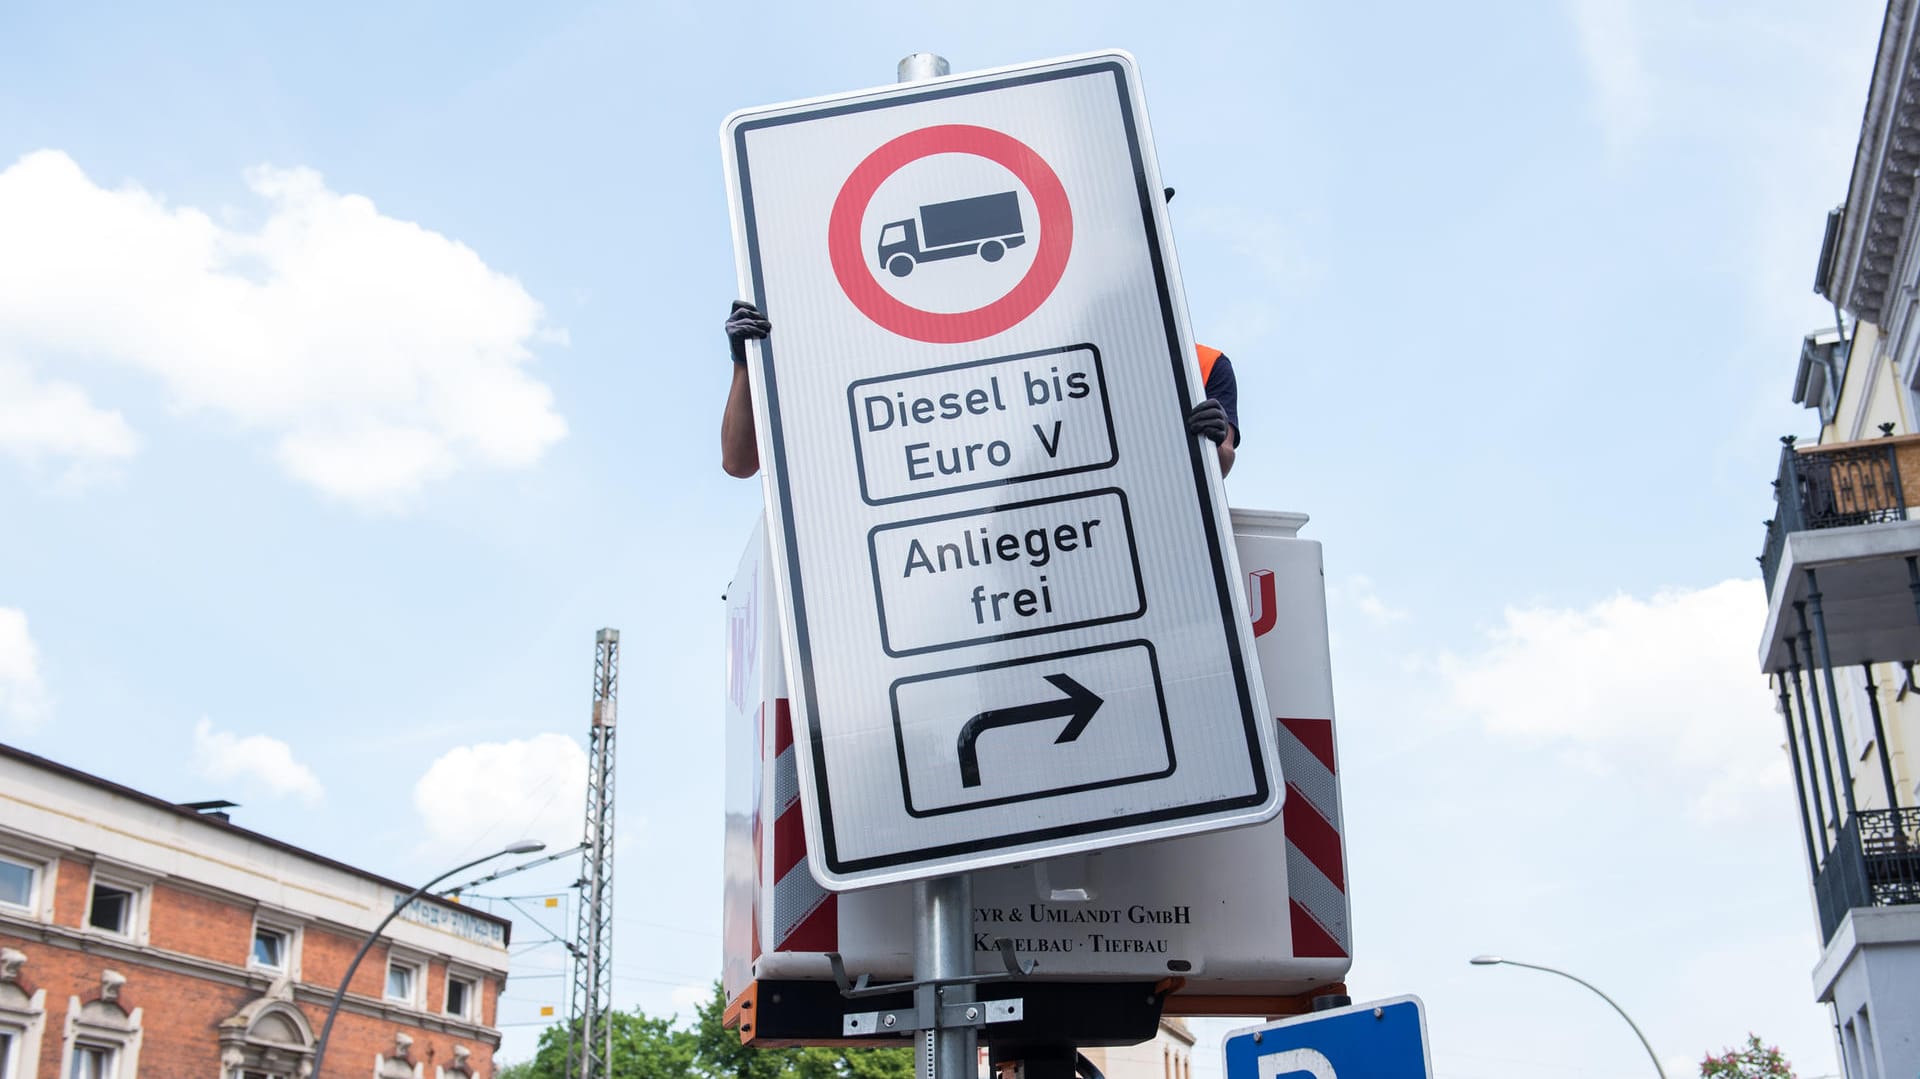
x: 985, y: 225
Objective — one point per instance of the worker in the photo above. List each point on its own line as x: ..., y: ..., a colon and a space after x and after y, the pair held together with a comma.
x: 1217, y: 418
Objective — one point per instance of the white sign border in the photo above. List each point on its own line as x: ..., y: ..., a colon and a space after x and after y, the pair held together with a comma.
x: 1265, y: 803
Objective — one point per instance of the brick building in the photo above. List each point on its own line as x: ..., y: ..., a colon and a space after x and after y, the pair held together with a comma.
x: 144, y: 939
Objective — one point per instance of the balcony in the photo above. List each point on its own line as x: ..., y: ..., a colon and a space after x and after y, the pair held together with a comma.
x: 1837, y: 486
x: 1841, y: 520
x: 1875, y: 862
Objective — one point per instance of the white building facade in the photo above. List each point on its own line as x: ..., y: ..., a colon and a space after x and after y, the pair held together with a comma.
x: 1841, y: 564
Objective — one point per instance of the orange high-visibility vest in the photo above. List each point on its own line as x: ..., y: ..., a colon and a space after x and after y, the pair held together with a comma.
x: 1207, y: 358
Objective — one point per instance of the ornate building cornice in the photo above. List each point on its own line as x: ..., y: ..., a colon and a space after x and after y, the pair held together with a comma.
x: 1886, y: 166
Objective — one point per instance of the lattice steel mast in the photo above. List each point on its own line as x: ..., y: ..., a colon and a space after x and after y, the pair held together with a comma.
x: 590, y: 1023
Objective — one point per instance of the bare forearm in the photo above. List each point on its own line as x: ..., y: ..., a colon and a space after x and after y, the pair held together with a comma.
x: 739, y: 453
x: 1226, y: 454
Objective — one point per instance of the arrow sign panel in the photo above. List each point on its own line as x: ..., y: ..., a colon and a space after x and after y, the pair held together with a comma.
x: 1079, y: 704
x: 946, y: 766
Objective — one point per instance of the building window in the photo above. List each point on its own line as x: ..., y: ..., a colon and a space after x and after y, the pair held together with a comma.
x: 92, y: 1062
x: 270, y: 948
x: 102, y: 1039
x: 16, y: 884
x: 400, y: 981
x: 111, y: 910
x: 268, y: 1038
x: 275, y: 945
x: 27, y: 879
x: 460, y: 996
x: 22, y: 1018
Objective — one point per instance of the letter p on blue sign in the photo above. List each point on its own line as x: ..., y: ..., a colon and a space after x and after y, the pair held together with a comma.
x: 1297, y: 1064
x: 1384, y: 1039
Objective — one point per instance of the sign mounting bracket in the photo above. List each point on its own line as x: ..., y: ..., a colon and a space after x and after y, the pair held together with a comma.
x: 930, y: 1010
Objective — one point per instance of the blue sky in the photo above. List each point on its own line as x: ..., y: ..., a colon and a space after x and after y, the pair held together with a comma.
x: 357, y: 364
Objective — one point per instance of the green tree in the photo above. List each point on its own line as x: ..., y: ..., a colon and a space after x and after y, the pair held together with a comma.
x: 1753, y: 1061
x: 648, y: 1048
x: 643, y: 1048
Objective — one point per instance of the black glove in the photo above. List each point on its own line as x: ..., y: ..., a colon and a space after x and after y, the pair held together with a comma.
x: 1209, y: 420
x: 745, y: 323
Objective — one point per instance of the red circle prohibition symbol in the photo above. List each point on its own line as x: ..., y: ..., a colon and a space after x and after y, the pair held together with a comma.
x: 942, y: 327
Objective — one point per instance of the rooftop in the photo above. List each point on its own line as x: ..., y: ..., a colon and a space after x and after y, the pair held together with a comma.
x: 218, y: 822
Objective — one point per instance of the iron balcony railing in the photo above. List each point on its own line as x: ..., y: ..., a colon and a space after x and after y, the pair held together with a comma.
x: 1833, y: 488
x: 1874, y: 863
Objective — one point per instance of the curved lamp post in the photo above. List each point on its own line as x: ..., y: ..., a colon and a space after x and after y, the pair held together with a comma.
x: 1494, y: 960
x: 525, y: 846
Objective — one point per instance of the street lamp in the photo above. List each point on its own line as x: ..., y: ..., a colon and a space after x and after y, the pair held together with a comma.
x: 525, y: 846
x: 1494, y: 960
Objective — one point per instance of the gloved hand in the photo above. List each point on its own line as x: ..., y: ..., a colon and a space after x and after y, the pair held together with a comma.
x: 1208, y: 420
x: 745, y: 323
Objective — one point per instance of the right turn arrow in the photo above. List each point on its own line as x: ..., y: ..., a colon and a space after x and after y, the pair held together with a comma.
x: 1078, y: 707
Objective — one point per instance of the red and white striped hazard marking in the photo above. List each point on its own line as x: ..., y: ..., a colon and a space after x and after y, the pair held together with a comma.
x: 1316, y: 870
x: 806, y: 917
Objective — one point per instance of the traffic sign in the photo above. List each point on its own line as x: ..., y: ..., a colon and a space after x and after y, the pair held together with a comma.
x: 1259, y: 914
x: 1009, y: 592
x: 1386, y: 1039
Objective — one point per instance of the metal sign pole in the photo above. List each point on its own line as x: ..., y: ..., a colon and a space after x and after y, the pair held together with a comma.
x: 921, y: 66
x: 942, y: 952
x: 942, y: 943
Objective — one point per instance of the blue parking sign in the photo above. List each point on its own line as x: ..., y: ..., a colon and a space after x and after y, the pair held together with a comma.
x: 1385, y: 1039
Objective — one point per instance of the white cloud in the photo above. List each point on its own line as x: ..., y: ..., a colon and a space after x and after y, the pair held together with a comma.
x: 55, y: 419
x: 24, y: 703
x: 1667, y: 682
x: 379, y: 355
x: 493, y: 793
x: 256, y: 760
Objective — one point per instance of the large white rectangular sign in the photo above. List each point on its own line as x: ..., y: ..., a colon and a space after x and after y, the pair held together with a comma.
x: 1009, y: 587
